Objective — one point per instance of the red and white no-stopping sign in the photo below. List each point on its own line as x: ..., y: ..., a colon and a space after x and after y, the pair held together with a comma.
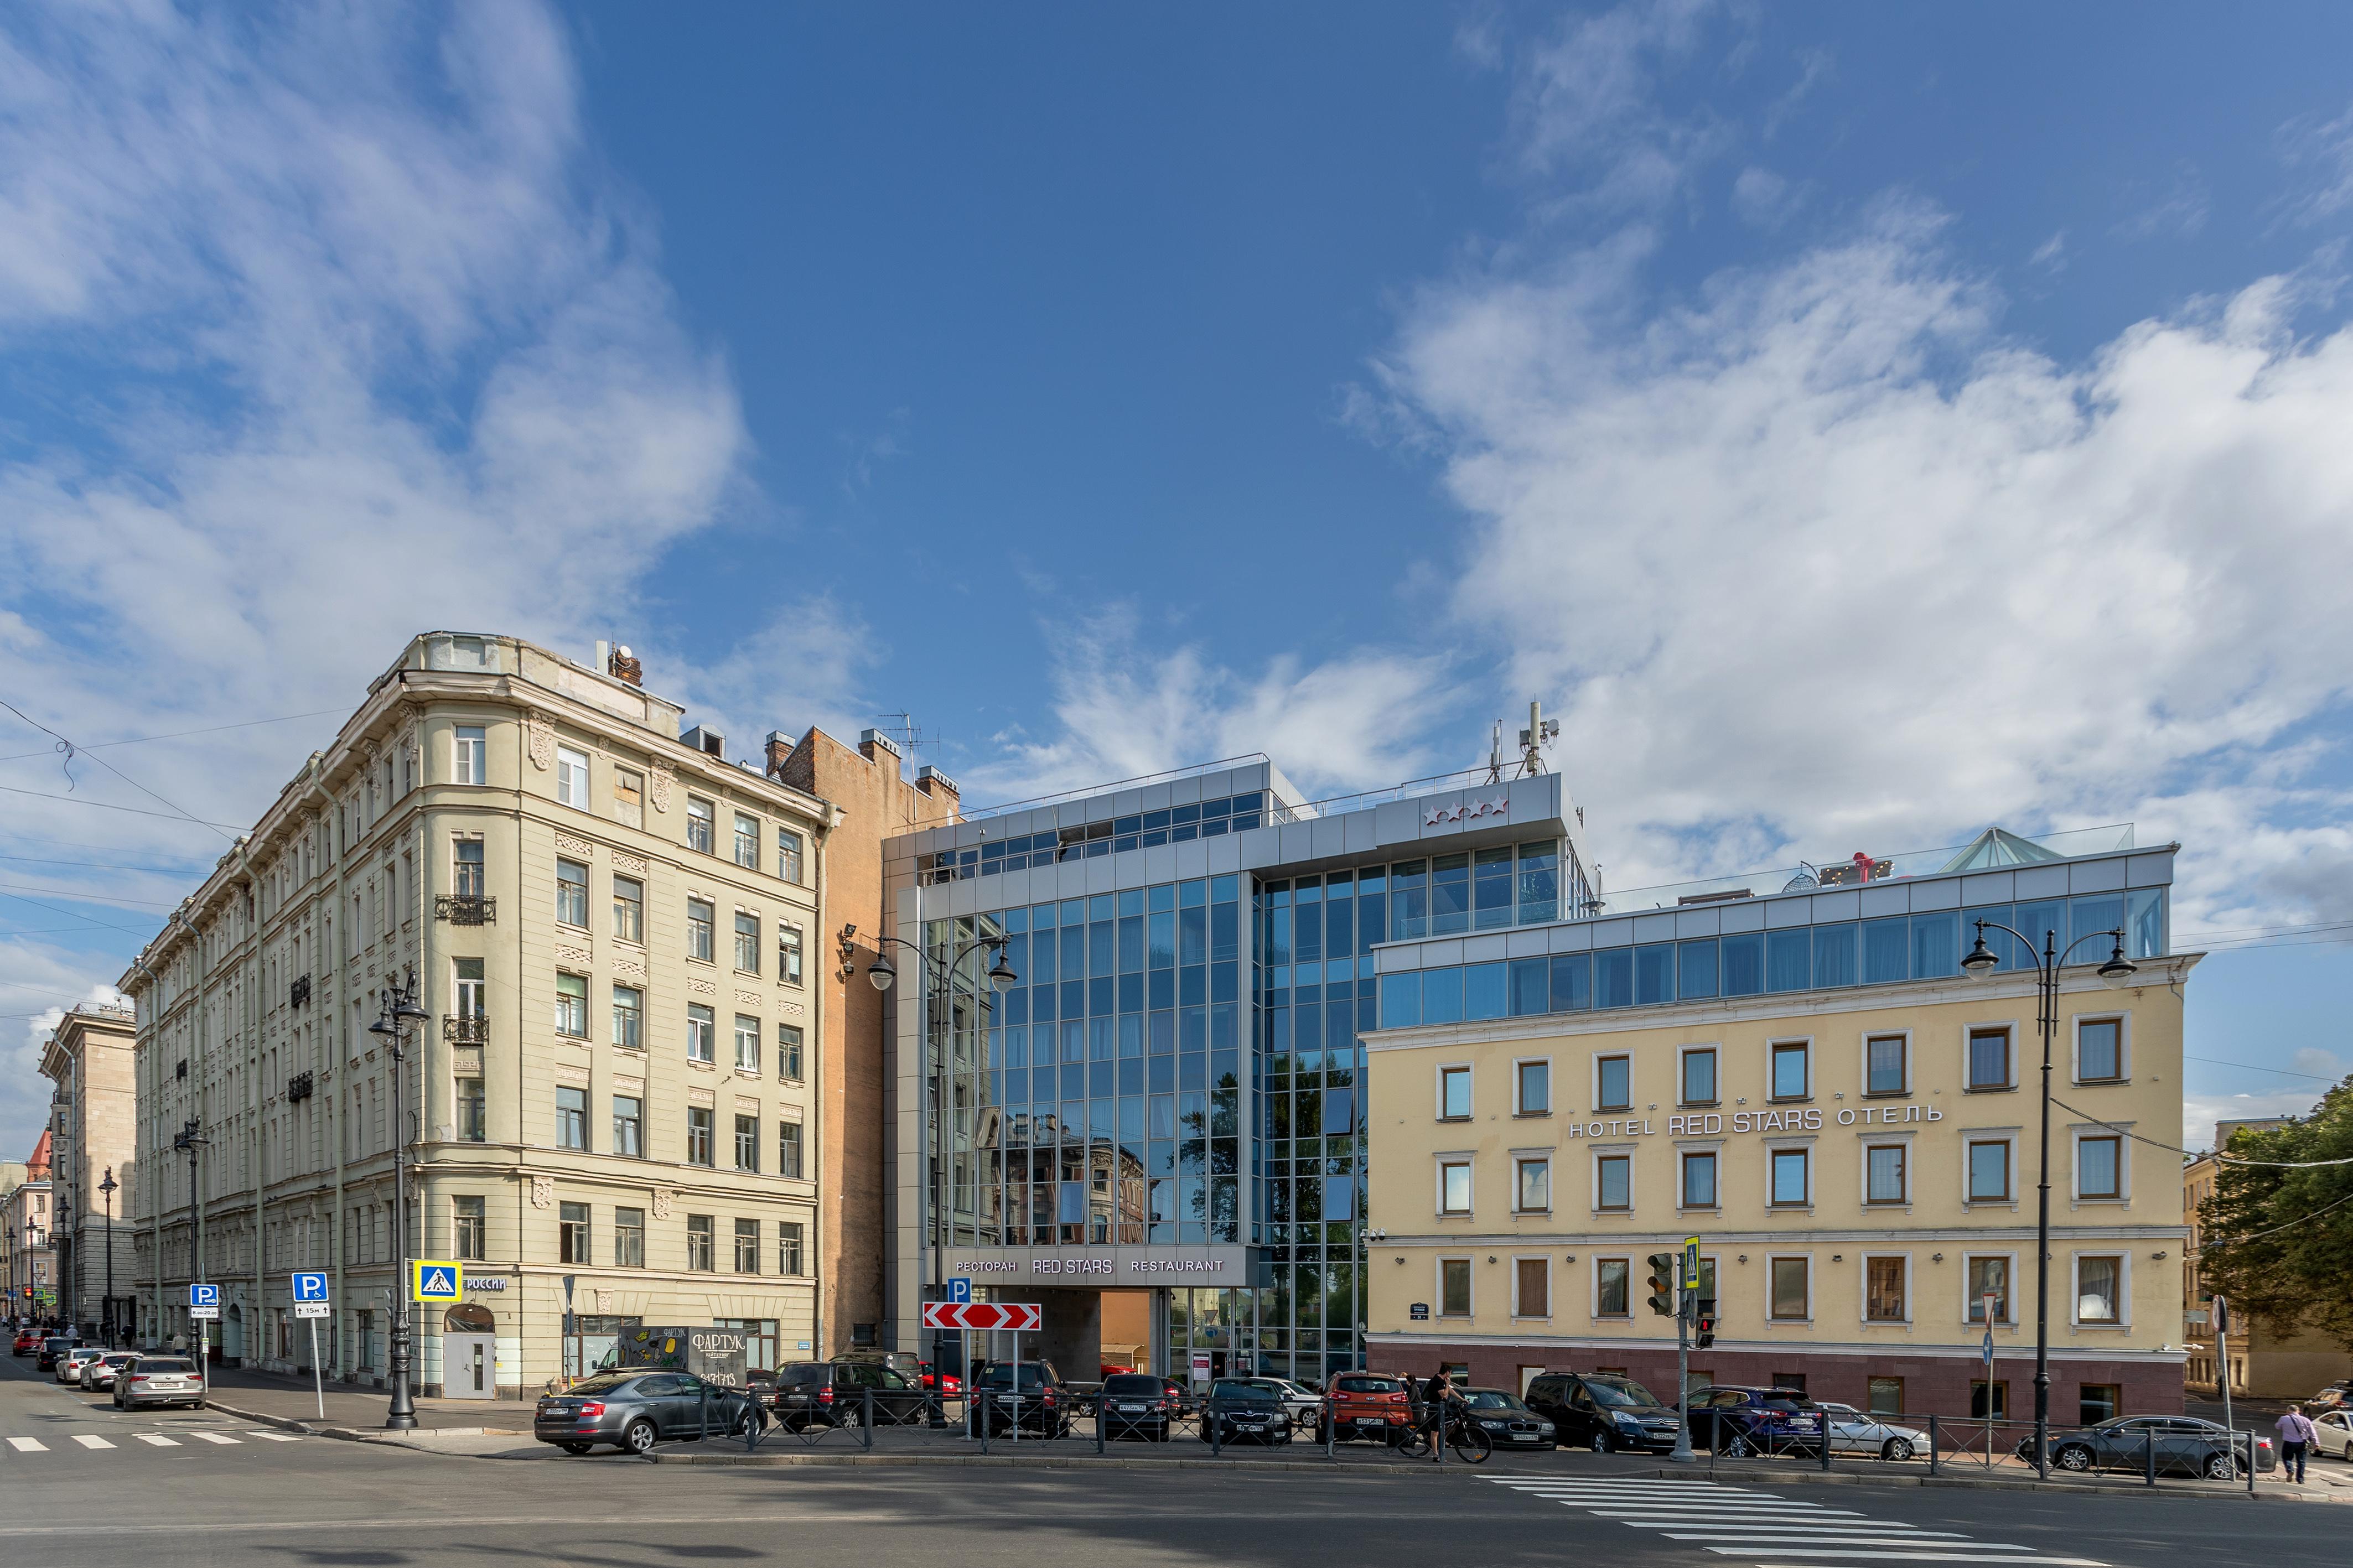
x: 1020, y: 1315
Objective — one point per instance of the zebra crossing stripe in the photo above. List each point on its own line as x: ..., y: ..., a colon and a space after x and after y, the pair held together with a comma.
x: 160, y: 1441
x: 86, y: 1441
x: 28, y: 1445
x: 215, y: 1437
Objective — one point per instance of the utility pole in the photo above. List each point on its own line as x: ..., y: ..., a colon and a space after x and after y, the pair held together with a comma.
x: 106, y: 1315
x: 1686, y: 1307
x: 397, y: 1010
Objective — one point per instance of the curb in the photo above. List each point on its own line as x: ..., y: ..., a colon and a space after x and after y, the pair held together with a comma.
x: 357, y: 1434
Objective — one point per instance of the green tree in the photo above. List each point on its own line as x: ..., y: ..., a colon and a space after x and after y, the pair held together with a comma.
x: 2272, y: 1242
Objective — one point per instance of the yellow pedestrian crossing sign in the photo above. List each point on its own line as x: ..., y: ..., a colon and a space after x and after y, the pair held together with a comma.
x: 432, y: 1279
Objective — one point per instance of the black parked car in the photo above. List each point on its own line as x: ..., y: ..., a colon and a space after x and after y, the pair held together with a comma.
x: 1029, y: 1394
x: 51, y: 1348
x: 1509, y: 1421
x: 1739, y: 1422
x: 1602, y: 1412
x: 634, y: 1409
x: 804, y: 1394
x: 1243, y: 1410
x: 1138, y: 1404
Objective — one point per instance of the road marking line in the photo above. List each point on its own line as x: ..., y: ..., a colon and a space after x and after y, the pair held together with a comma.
x: 1850, y: 1537
x: 86, y: 1441
x: 160, y: 1442
x: 215, y: 1438
x: 28, y: 1445
x: 276, y: 1436
x: 1953, y: 1556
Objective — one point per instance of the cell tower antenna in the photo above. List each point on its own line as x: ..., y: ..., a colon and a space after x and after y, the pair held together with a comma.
x: 1541, y: 732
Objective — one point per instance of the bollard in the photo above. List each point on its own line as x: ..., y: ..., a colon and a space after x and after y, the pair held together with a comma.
x: 1017, y: 1405
x: 866, y: 1419
x: 2251, y: 1460
x: 1217, y: 1437
x: 1823, y: 1422
x: 1331, y: 1433
x: 704, y: 1412
x: 2149, y: 1458
x: 1932, y: 1444
x: 1103, y: 1418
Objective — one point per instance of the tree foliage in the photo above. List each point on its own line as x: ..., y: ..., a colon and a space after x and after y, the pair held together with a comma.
x: 2301, y: 1276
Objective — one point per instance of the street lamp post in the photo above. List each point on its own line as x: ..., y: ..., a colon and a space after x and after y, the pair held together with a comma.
x: 191, y: 1138
x: 106, y: 1315
x: 398, y: 1010
x: 1982, y: 961
x: 1000, y: 976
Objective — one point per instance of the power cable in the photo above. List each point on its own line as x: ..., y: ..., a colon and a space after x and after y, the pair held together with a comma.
x: 103, y: 866
x: 68, y: 748
x: 220, y: 827
x: 90, y: 898
x: 2257, y: 1235
x: 2250, y: 1067
x: 2217, y: 1156
x: 178, y: 735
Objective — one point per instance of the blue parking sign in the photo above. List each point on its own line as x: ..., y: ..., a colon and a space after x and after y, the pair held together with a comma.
x: 960, y: 1290
x: 204, y: 1295
x: 310, y: 1287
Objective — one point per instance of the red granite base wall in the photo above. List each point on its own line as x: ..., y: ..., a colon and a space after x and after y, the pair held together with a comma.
x: 1932, y: 1384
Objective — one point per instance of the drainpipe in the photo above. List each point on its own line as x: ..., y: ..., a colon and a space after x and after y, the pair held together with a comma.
x: 196, y: 1269
x: 331, y: 1037
x: 252, y: 1327
x: 155, y: 1210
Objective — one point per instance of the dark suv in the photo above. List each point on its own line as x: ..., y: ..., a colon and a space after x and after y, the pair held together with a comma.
x: 1245, y: 1410
x: 1029, y: 1394
x: 1603, y: 1412
x: 1739, y: 1422
x: 1138, y: 1404
x: 805, y: 1393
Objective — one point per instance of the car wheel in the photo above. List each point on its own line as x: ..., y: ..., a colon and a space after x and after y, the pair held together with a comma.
x: 1739, y: 1448
x: 1602, y: 1443
x: 637, y: 1438
x: 2219, y: 1467
x: 2073, y: 1457
x: 575, y: 1449
x: 1897, y: 1448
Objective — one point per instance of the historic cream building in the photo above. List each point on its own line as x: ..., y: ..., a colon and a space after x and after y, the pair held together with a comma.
x: 1803, y: 1078
x: 611, y: 1109
x: 92, y: 1116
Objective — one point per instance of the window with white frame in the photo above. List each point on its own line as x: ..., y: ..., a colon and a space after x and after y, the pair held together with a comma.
x: 1695, y: 1083
x: 701, y: 819
x: 1699, y: 1178
x: 1885, y: 1176
x: 572, y: 1007
x: 1454, y: 1094
x: 788, y: 954
x: 1531, y: 1087
x: 466, y: 867
x: 1792, y: 1078
x: 2099, y: 1050
x: 1532, y: 1188
x: 1791, y: 1297
x: 1454, y: 1186
x: 699, y: 1027
x: 701, y: 936
x: 571, y: 778
x: 1887, y: 1065
x: 747, y: 941
x: 470, y: 755
x: 628, y: 910
x: 788, y: 854
x: 747, y: 1044
x: 788, y: 1052
x: 571, y: 894
x: 1792, y: 1174
x: 2099, y: 1288
x: 747, y: 841
x: 628, y: 1017
x: 1532, y: 1287
x: 1989, y: 1170
x: 1613, y: 1182
x: 2099, y: 1165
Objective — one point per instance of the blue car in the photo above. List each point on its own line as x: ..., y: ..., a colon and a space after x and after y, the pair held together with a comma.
x: 1739, y: 1423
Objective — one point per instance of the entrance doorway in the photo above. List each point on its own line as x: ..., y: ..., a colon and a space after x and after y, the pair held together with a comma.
x: 469, y: 1349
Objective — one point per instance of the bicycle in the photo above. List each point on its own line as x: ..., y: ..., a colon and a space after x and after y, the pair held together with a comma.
x: 1466, y: 1438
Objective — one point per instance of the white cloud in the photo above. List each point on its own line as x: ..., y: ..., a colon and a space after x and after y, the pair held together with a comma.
x: 1123, y: 709
x: 1815, y: 68
x: 2180, y: 212
x: 2052, y: 253
x: 1583, y: 108
x: 329, y: 326
x: 2323, y: 151
x: 1819, y: 560
x: 1763, y: 199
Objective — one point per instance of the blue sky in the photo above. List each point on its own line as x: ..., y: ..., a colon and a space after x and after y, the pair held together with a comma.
x: 1857, y: 425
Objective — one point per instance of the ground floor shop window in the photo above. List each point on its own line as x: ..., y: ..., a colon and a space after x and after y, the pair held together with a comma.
x: 2098, y: 1402
x: 1791, y: 1379
x: 761, y: 1343
x: 1990, y: 1401
x: 1886, y: 1397
x: 595, y: 1342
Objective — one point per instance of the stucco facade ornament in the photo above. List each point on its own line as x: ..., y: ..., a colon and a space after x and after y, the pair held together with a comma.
x: 542, y: 1191
x: 539, y: 738
x: 659, y: 774
x: 662, y: 1196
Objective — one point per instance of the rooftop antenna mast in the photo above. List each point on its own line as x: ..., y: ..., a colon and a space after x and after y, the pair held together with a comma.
x: 1541, y: 732
x: 1495, y: 755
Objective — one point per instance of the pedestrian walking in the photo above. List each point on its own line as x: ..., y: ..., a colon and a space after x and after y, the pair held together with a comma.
x: 2297, y: 1434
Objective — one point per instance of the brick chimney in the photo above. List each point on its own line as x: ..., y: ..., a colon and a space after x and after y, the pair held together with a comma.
x: 780, y: 747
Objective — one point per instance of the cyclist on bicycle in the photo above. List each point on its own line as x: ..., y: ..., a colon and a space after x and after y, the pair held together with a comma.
x: 1436, y: 1395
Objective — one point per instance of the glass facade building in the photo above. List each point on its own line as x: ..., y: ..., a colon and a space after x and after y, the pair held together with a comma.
x: 1168, y: 1098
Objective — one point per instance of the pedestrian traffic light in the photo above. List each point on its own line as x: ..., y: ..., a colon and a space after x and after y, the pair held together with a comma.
x: 1704, y: 1323
x: 1663, y: 1284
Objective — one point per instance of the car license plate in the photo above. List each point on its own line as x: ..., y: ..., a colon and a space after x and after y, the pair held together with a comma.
x: 1523, y: 1436
x: 1372, y: 1421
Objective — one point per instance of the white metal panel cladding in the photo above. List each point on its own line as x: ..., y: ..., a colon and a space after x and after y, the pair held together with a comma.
x: 2149, y: 870
x: 2096, y: 876
x: 1698, y: 922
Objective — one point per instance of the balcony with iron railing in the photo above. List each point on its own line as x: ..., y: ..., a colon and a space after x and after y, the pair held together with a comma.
x: 466, y: 908
x: 466, y: 1028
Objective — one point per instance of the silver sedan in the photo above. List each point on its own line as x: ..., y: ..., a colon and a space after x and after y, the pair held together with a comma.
x: 1852, y: 1432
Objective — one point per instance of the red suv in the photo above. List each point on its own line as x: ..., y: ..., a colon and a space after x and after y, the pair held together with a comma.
x: 1369, y: 1405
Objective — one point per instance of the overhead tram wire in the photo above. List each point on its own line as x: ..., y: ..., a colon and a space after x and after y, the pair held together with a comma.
x: 69, y: 748
x: 2217, y: 1155
x: 220, y: 827
x: 2275, y: 1230
x: 2252, y: 1067
x: 177, y: 734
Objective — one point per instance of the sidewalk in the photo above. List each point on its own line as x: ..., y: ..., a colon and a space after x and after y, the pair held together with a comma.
x: 281, y: 1401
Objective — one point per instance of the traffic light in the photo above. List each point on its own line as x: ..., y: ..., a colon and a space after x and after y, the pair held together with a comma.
x: 1704, y: 1323
x: 1663, y: 1284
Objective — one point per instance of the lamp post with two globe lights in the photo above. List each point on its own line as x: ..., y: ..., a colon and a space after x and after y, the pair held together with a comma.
x: 881, y: 974
x: 1982, y: 962
x: 397, y: 1010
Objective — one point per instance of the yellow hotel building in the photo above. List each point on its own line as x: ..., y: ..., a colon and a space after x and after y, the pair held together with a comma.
x: 1803, y: 1078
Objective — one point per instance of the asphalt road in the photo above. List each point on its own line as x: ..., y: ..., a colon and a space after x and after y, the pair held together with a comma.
x: 217, y: 1491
